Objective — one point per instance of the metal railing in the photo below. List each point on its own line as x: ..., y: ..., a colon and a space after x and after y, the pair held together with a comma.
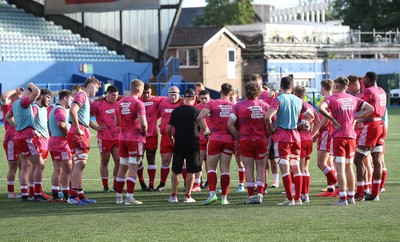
x: 171, y: 68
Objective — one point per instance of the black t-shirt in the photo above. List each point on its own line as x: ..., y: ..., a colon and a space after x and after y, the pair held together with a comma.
x: 184, y: 120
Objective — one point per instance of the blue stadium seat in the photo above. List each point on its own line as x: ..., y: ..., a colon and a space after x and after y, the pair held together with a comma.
x: 24, y: 37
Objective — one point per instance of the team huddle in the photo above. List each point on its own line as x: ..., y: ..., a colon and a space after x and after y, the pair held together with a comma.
x: 264, y: 131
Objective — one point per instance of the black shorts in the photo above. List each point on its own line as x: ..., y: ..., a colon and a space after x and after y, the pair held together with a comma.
x: 193, y: 162
x: 271, y: 152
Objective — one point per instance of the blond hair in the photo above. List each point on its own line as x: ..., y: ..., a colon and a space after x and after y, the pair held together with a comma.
x: 135, y: 83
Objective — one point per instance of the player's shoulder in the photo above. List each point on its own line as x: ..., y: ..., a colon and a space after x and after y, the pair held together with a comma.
x: 163, y: 100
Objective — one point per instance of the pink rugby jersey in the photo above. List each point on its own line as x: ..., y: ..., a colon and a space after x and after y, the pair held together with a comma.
x: 164, y: 110
x: 251, y: 119
x: 375, y: 96
x: 343, y: 108
x: 10, y: 130
x: 105, y: 112
x: 200, y: 107
x: 152, y: 115
x: 306, y: 135
x: 128, y: 109
x: 220, y: 110
x: 265, y: 97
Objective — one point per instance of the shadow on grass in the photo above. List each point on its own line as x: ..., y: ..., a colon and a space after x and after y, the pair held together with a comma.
x: 152, y: 201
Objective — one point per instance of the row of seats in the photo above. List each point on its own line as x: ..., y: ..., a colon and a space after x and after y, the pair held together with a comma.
x: 24, y: 37
x: 40, y: 59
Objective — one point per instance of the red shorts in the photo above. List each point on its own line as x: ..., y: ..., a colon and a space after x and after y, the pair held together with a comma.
x: 106, y: 146
x: 25, y: 147
x: 166, y: 146
x: 285, y: 150
x: 306, y: 149
x: 343, y: 147
x: 203, y: 144
x: 216, y: 147
x: 152, y: 142
x: 60, y: 156
x: 372, y: 134
x: 358, y: 129
x: 75, y: 148
x: 43, y: 146
x: 130, y: 148
x: 9, y: 147
x: 324, y: 141
x: 256, y: 149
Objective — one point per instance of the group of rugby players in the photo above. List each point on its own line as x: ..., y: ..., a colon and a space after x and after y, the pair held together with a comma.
x: 264, y: 125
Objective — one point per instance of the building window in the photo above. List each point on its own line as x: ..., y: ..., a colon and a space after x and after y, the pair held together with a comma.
x: 189, y: 58
x: 231, y: 64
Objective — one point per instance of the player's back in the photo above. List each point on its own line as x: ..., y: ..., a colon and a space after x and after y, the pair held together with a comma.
x: 375, y: 96
x: 152, y: 114
x: 128, y: 109
x: 288, y: 114
x: 251, y: 119
x: 343, y: 108
x: 220, y: 110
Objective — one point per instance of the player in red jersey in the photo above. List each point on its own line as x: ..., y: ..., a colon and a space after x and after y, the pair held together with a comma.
x: 130, y: 116
x: 58, y: 146
x: 324, y: 159
x: 253, y: 137
x: 151, y: 104
x: 384, y: 168
x: 267, y: 95
x: 343, y: 112
x: 204, y: 97
x: 164, y: 111
x: 198, y: 87
x: 79, y: 139
x: 364, y: 175
x: 21, y: 116
x: 107, y: 133
x: 287, y: 109
x: 306, y: 136
x: 7, y: 99
x: 221, y: 143
x: 373, y: 134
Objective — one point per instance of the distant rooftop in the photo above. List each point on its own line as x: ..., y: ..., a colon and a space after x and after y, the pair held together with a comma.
x: 194, y: 36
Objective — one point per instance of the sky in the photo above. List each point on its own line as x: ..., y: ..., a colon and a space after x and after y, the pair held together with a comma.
x: 276, y: 3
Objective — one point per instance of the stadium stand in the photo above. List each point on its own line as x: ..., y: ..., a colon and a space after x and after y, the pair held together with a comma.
x: 24, y: 37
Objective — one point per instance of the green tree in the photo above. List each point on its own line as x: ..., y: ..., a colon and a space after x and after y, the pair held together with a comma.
x: 225, y: 12
x: 368, y: 14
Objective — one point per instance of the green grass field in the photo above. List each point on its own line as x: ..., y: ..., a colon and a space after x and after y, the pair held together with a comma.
x: 158, y: 220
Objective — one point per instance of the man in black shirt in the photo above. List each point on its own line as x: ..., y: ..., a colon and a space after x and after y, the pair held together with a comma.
x: 186, y: 144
